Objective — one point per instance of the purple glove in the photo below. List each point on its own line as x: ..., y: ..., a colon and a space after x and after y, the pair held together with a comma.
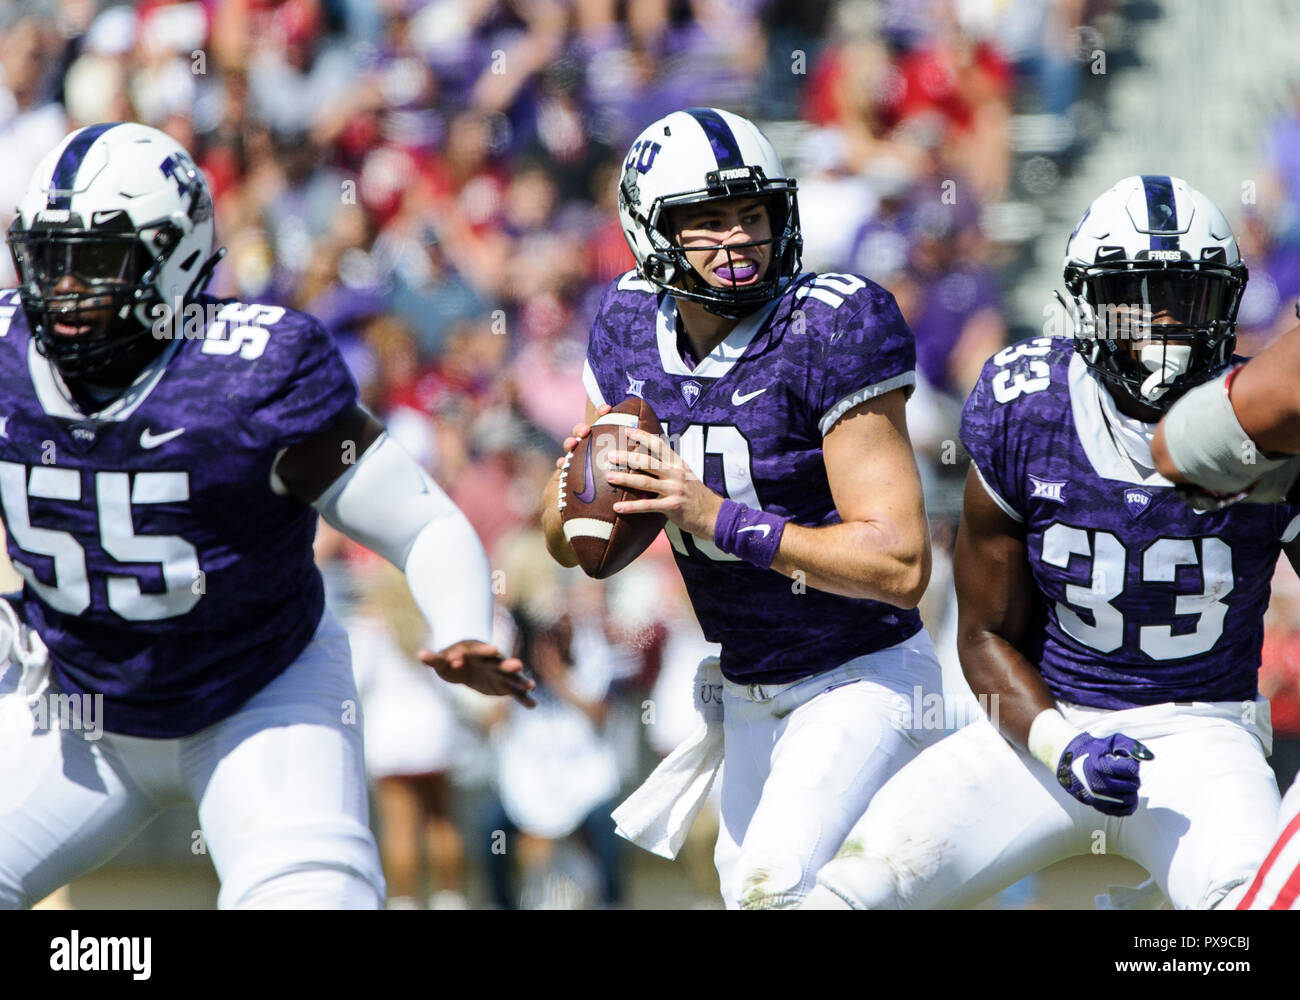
x: 1103, y: 773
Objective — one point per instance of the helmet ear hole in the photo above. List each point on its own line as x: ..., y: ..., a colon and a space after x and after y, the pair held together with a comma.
x: 164, y: 239
x: 659, y: 270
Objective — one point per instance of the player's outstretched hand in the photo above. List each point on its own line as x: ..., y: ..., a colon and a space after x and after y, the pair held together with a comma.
x: 1103, y: 772
x: 481, y: 666
x: 580, y: 431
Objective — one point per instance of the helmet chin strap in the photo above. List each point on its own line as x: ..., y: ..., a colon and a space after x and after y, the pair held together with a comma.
x: 1166, y: 362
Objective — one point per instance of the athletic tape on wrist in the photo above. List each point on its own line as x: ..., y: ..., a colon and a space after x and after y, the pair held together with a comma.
x: 1049, y: 735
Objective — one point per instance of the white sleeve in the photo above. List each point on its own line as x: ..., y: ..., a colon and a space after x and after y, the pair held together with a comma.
x: 591, y: 385
x: 391, y: 506
x: 1210, y: 448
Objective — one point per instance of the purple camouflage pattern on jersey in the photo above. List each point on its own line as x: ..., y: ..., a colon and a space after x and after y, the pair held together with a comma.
x: 160, y: 568
x: 1139, y: 600
x: 749, y: 420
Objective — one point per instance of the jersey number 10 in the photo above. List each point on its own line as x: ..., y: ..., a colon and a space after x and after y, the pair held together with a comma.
x: 725, y: 441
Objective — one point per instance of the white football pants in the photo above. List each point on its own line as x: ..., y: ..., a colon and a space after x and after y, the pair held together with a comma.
x: 1277, y: 884
x: 802, y: 760
x: 280, y: 788
x: 973, y: 815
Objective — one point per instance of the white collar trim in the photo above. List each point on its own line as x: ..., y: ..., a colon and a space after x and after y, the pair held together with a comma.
x: 55, y: 399
x: 721, y: 359
x: 1108, y: 458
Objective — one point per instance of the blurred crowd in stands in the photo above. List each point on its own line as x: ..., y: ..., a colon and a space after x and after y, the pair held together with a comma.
x: 434, y: 180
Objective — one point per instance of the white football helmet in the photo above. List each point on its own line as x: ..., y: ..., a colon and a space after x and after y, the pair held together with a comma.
x: 699, y: 155
x: 117, y: 215
x: 1156, y: 279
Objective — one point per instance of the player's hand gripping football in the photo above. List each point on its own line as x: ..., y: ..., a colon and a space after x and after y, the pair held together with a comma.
x: 481, y: 666
x: 1103, y: 772
x: 580, y: 431
x: 681, y: 497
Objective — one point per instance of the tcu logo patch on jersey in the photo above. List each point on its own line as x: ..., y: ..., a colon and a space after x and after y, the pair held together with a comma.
x: 690, y: 392
x: 1137, y: 502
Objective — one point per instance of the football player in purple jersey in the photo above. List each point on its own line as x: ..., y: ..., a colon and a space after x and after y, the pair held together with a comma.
x: 163, y: 460
x: 1237, y: 438
x: 1117, y: 630
x: 792, y: 495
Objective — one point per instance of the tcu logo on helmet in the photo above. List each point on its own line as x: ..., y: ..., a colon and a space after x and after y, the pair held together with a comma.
x: 641, y: 155
x: 182, y: 170
x: 639, y: 160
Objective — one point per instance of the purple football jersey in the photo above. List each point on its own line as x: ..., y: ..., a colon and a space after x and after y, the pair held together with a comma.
x: 159, y: 566
x: 749, y: 420
x: 1139, y: 599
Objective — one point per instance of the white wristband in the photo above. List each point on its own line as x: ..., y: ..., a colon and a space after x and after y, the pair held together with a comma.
x: 1049, y: 735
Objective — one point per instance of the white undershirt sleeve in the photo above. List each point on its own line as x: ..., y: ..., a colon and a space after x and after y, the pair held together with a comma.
x: 1207, y: 444
x: 391, y: 506
x: 592, y: 386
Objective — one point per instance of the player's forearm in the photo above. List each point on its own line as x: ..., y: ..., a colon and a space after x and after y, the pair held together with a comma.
x: 1263, y: 403
x: 860, y: 559
x: 553, y: 527
x: 995, y: 595
x: 456, y: 606
x: 1160, y: 456
x: 391, y: 506
x: 1264, y: 398
x: 1203, y: 441
x: 998, y: 674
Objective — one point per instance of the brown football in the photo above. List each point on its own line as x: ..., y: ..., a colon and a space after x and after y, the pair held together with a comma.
x: 603, y: 541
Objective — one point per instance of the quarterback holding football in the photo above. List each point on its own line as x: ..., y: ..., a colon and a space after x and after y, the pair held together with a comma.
x: 160, y: 489
x: 791, y: 496
x: 1118, y: 628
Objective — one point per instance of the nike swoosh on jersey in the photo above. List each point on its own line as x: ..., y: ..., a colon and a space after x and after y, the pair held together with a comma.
x: 148, y: 439
x: 737, y: 398
x: 588, y: 493
x: 766, y: 529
